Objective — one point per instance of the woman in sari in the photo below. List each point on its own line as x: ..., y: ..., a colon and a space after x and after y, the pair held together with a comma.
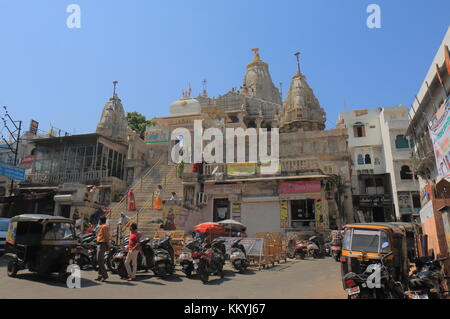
x: 159, y: 193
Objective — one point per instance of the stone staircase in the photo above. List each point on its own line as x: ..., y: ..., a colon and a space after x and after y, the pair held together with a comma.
x: 145, y: 216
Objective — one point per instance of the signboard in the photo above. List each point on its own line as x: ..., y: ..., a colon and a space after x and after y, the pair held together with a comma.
x: 241, y: 169
x: 157, y: 137
x: 440, y: 136
x: 303, y: 187
x: 319, y: 214
x: 236, y: 211
x: 34, y: 125
x: 405, y: 203
x: 27, y: 161
x: 426, y: 212
x: 11, y: 171
x: 272, y: 168
x: 222, y: 189
x: 253, y: 246
x: 284, y: 214
x: 446, y: 220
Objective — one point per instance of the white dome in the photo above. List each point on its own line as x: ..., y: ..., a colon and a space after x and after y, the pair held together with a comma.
x: 185, y: 107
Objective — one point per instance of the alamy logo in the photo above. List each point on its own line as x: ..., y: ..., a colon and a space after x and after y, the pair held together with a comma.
x: 374, y: 279
x: 374, y: 19
x: 74, y: 279
x: 209, y: 145
x: 74, y: 19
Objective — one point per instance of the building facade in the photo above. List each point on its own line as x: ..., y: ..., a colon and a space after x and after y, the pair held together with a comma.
x: 431, y: 135
x: 383, y: 185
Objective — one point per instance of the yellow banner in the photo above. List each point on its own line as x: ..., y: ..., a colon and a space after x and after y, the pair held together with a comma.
x: 241, y: 169
x: 284, y: 212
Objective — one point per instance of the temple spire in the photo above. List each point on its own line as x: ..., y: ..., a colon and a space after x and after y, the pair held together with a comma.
x: 114, y: 89
x: 297, y: 55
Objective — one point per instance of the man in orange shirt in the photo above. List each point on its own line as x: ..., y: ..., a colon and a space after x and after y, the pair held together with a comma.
x: 103, y: 243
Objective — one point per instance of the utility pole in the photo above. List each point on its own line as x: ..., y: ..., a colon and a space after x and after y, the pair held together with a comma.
x: 14, y: 146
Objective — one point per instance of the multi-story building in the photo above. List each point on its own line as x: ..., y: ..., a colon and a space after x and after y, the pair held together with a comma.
x: 383, y: 186
x: 430, y: 132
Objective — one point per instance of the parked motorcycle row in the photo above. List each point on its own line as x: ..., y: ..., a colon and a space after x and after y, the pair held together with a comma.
x: 426, y: 282
x: 199, y: 256
x: 301, y: 249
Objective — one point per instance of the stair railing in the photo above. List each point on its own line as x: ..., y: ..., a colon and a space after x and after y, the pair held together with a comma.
x: 124, y: 198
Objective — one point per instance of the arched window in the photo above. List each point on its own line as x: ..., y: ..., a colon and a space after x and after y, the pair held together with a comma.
x: 367, y: 159
x: 360, y: 159
x: 401, y: 142
x: 405, y: 172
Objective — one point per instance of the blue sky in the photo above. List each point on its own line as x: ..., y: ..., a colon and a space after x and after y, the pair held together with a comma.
x: 63, y: 76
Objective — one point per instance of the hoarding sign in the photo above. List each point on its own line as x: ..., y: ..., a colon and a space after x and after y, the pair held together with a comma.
x: 11, y: 171
x: 27, y: 161
x: 440, y: 136
x: 269, y: 168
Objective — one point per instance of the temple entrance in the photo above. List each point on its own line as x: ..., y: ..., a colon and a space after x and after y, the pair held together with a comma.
x: 221, y: 209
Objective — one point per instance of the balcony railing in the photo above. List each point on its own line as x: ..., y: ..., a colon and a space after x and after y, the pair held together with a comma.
x: 72, y: 177
x: 287, y: 167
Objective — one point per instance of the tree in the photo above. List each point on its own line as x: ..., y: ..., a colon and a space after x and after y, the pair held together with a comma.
x: 137, y: 122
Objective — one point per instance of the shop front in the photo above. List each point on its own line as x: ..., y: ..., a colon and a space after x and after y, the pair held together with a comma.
x: 301, y: 206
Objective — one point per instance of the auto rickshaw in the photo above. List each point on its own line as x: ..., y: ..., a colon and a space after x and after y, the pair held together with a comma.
x: 365, y: 244
x: 40, y: 243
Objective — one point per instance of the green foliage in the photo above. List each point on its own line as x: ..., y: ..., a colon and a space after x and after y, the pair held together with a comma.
x: 137, y: 122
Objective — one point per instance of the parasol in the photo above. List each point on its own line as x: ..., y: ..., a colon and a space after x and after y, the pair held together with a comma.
x: 210, y: 228
x: 233, y: 225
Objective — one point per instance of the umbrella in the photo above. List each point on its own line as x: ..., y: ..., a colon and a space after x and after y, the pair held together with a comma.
x: 233, y: 225
x: 211, y: 228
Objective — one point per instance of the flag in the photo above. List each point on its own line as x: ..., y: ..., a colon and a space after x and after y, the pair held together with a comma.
x: 447, y: 59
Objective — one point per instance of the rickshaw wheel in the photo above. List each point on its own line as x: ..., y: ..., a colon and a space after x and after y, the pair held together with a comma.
x: 13, y: 268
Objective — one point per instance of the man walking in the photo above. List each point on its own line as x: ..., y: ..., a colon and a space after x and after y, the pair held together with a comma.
x: 133, y: 251
x: 103, y: 243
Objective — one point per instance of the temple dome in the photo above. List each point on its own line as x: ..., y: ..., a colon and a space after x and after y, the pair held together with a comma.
x: 185, y: 106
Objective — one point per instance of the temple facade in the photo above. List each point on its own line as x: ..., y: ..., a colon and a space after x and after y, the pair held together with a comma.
x: 308, y: 191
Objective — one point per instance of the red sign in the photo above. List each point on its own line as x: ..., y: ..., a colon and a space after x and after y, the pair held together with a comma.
x: 27, y: 161
x: 307, y: 187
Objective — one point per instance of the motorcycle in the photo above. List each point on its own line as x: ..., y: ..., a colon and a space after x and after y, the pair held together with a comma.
x: 190, y: 257
x: 300, y: 250
x: 336, y: 252
x: 144, y: 259
x: 164, y: 258
x: 327, y: 249
x: 427, y: 280
x: 86, y: 252
x: 238, y: 256
x: 313, y: 250
x: 376, y: 282
x: 212, y: 260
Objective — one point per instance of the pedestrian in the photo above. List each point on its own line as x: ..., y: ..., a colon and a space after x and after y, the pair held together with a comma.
x: 159, y: 193
x: 124, y: 221
x: 133, y: 250
x: 103, y: 243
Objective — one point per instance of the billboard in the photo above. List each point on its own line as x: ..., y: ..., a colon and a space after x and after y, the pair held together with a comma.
x: 241, y: 169
x: 440, y: 136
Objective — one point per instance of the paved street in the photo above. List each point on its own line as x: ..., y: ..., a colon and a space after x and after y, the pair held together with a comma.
x: 312, y: 279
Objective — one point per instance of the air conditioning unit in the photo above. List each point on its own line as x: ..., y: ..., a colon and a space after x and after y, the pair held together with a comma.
x: 201, y: 199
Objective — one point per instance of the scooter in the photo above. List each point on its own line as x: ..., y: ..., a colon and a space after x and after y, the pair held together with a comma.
x: 238, y: 256
x: 190, y: 257
x: 212, y: 260
x: 336, y: 252
x: 164, y: 258
x: 144, y: 259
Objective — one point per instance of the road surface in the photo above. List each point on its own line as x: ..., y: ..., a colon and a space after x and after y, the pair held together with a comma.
x: 296, y: 279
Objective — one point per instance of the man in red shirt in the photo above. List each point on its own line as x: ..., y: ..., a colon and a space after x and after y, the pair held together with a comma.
x: 133, y: 251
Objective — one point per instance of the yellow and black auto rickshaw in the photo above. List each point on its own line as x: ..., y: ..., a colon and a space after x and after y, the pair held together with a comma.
x: 40, y: 243
x: 363, y: 245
